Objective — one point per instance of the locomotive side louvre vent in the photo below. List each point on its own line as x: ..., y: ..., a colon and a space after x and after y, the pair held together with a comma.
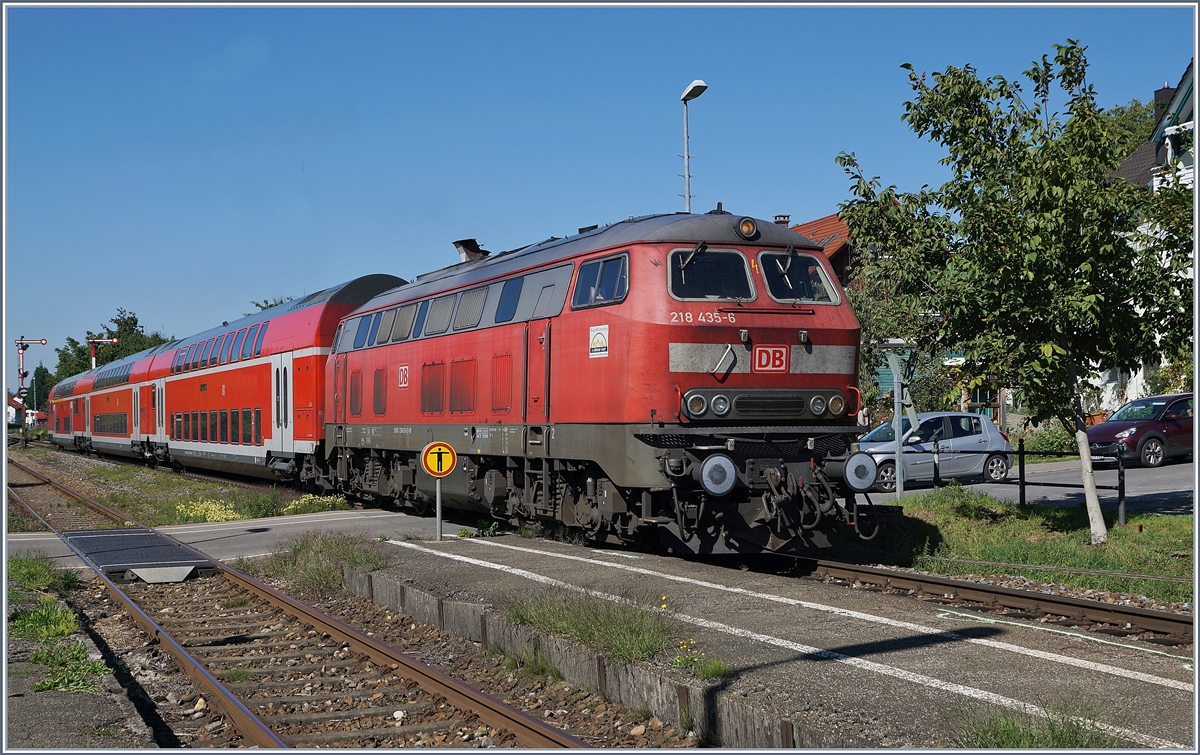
x: 439, y: 314
x: 462, y: 386
x: 470, y: 309
x: 433, y: 387
x: 502, y: 382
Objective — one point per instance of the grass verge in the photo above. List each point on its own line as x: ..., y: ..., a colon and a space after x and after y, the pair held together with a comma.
x: 956, y: 522
x: 71, y: 669
x: 45, y: 621
x: 313, y: 561
x: 629, y: 631
x: 1065, y: 727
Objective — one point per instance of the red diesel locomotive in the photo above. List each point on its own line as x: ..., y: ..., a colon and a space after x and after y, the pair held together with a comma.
x: 690, y: 377
x: 685, y: 378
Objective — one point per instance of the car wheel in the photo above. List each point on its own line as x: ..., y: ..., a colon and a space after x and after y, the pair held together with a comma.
x: 1152, y: 453
x: 885, y: 479
x: 995, y: 469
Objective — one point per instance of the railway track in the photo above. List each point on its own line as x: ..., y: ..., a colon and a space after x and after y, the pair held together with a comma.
x: 1106, y: 618
x: 277, y: 673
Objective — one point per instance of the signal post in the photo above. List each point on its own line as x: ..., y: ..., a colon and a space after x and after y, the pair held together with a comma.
x: 439, y: 460
x: 22, y: 344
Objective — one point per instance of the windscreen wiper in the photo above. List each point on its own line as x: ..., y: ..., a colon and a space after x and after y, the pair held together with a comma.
x: 783, y: 269
x: 700, y: 247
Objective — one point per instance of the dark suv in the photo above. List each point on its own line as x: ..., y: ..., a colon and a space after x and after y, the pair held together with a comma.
x: 1149, y: 430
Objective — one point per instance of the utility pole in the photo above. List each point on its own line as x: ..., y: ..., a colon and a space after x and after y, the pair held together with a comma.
x: 22, y: 344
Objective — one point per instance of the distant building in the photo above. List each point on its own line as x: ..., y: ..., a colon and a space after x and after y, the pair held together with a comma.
x: 833, y: 236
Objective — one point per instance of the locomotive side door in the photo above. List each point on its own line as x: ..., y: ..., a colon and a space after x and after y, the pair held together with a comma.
x: 282, y: 380
x: 339, y: 388
x: 537, y: 386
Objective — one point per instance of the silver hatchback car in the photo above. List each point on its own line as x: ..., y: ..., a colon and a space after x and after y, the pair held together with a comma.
x: 966, y: 445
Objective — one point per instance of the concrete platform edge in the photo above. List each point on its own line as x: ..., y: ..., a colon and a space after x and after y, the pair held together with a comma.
x: 713, y: 711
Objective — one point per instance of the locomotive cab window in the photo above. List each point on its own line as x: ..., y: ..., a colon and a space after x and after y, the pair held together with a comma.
x: 792, y: 276
x: 602, y: 282
x: 703, y: 274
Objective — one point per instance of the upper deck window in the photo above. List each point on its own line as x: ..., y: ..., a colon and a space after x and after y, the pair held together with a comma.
x: 706, y: 274
x: 792, y: 276
x: 601, y: 282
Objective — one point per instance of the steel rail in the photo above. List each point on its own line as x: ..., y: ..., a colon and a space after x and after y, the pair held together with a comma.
x: 244, y: 720
x: 1176, y: 625
x: 529, y: 731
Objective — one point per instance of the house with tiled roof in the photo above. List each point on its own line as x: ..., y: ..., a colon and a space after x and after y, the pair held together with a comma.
x: 832, y: 235
x: 1173, y: 120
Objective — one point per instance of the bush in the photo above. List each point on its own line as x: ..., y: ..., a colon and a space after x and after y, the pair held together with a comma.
x: 1049, y: 437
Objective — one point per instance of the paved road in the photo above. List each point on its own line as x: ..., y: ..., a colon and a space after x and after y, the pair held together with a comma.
x: 1166, y: 490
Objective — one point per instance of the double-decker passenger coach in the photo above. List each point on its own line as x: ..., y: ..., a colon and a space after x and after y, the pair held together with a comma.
x: 690, y: 378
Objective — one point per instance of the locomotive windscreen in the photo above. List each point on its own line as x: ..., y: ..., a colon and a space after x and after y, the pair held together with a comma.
x: 709, y: 274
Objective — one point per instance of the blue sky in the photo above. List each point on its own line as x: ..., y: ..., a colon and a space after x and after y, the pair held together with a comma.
x: 182, y: 162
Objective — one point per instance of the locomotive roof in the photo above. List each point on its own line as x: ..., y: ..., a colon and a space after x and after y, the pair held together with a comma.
x: 713, y: 228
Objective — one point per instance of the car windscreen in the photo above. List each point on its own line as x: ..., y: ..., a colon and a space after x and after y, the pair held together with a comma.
x: 795, y: 277
x: 1135, y: 410
x: 708, y: 274
x: 884, y: 432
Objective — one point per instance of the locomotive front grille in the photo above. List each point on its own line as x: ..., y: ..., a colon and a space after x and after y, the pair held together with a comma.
x: 775, y: 407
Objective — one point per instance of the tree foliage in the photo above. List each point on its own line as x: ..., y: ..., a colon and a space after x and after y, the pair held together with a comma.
x: 1131, y: 125
x: 76, y: 357
x: 41, y: 384
x: 1029, y: 261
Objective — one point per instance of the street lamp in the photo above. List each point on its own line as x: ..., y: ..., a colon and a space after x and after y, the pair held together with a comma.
x: 694, y: 90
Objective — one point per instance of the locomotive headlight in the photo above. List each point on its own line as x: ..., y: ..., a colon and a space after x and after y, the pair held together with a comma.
x: 717, y: 474
x: 696, y: 405
x: 837, y: 405
x: 817, y: 404
x: 720, y: 405
x: 747, y: 228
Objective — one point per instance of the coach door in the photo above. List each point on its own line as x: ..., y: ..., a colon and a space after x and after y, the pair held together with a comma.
x: 537, y: 386
x: 145, y: 414
x: 157, y: 401
x: 281, y: 402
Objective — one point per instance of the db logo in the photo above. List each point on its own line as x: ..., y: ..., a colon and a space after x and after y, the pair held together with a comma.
x: 402, y: 372
x: 770, y: 359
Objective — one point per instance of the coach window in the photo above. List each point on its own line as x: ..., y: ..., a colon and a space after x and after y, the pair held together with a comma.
x: 509, y: 296
x: 258, y: 342
x: 187, y: 359
x: 602, y: 282
x: 234, y: 433
x: 792, y: 276
x: 380, y: 395
x: 404, y: 322
x: 203, y: 427
x: 237, y: 346
x: 258, y: 426
x: 248, y: 348
x: 224, y: 425
x: 187, y: 425
x: 470, y: 308
x: 212, y: 426
x: 356, y: 393
x: 208, y: 347
x: 216, y: 351
x: 385, y: 327
x: 196, y: 356
x: 247, y: 428
x: 364, y: 327
x: 703, y: 274
x: 440, y: 311
x: 227, y: 348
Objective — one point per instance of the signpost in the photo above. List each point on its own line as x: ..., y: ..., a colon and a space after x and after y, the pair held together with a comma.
x: 439, y: 460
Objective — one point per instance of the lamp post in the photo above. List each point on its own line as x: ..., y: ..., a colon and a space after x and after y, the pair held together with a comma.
x: 93, y: 342
x: 694, y: 90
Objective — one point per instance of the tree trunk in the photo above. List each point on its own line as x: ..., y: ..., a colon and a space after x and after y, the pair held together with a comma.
x: 1095, y: 518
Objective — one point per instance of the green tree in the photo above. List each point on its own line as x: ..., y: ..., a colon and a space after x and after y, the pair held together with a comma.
x: 1131, y: 125
x: 1028, y: 261
x: 42, y: 382
x: 268, y: 303
x: 76, y: 357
